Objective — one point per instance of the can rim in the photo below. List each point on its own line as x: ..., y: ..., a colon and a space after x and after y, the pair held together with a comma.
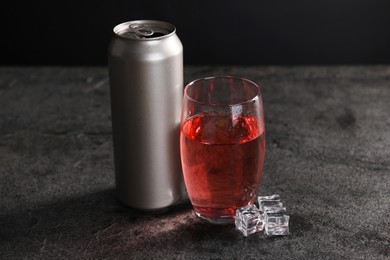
x: 122, y: 26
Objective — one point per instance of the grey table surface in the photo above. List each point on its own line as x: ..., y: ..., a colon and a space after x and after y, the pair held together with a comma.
x: 328, y: 156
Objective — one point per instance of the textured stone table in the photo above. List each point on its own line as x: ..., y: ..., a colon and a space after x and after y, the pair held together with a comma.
x: 328, y: 156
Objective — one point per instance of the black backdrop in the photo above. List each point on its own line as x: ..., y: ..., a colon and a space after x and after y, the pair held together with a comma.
x: 222, y: 32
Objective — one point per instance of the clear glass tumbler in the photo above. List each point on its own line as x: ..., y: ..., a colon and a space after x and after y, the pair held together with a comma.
x: 222, y: 145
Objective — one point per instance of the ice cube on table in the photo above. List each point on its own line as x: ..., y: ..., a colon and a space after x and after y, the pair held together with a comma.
x: 274, y: 206
x: 269, y: 201
x: 276, y: 222
x: 249, y: 220
x: 271, y: 197
x: 270, y: 216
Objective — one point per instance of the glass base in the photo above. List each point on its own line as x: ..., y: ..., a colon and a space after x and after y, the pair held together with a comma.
x: 216, y: 216
x: 219, y: 221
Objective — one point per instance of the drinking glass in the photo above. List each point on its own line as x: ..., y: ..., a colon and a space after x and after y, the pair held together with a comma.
x: 222, y: 145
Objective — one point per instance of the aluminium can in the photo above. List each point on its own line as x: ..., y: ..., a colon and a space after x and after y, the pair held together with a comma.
x: 146, y: 85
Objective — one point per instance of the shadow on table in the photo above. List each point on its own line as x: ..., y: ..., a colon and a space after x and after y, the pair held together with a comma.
x: 86, y: 219
x: 98, y: 225
x: 98, y: 208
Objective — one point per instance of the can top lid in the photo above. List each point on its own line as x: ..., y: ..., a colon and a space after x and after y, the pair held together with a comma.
x: 144, y: 29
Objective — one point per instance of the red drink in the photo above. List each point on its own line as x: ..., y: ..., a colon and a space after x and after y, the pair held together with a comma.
x: 222, y: 159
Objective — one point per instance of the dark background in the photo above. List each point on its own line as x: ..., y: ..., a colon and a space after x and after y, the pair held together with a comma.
x: 280, y: 32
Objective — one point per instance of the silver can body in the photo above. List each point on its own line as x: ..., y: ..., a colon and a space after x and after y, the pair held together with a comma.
x: 146, y: 85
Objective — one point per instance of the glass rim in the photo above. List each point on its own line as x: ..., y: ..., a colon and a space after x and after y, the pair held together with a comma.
x: 249, y: 100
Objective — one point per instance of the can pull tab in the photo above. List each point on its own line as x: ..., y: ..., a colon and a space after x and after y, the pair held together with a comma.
x: 141, y: 30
